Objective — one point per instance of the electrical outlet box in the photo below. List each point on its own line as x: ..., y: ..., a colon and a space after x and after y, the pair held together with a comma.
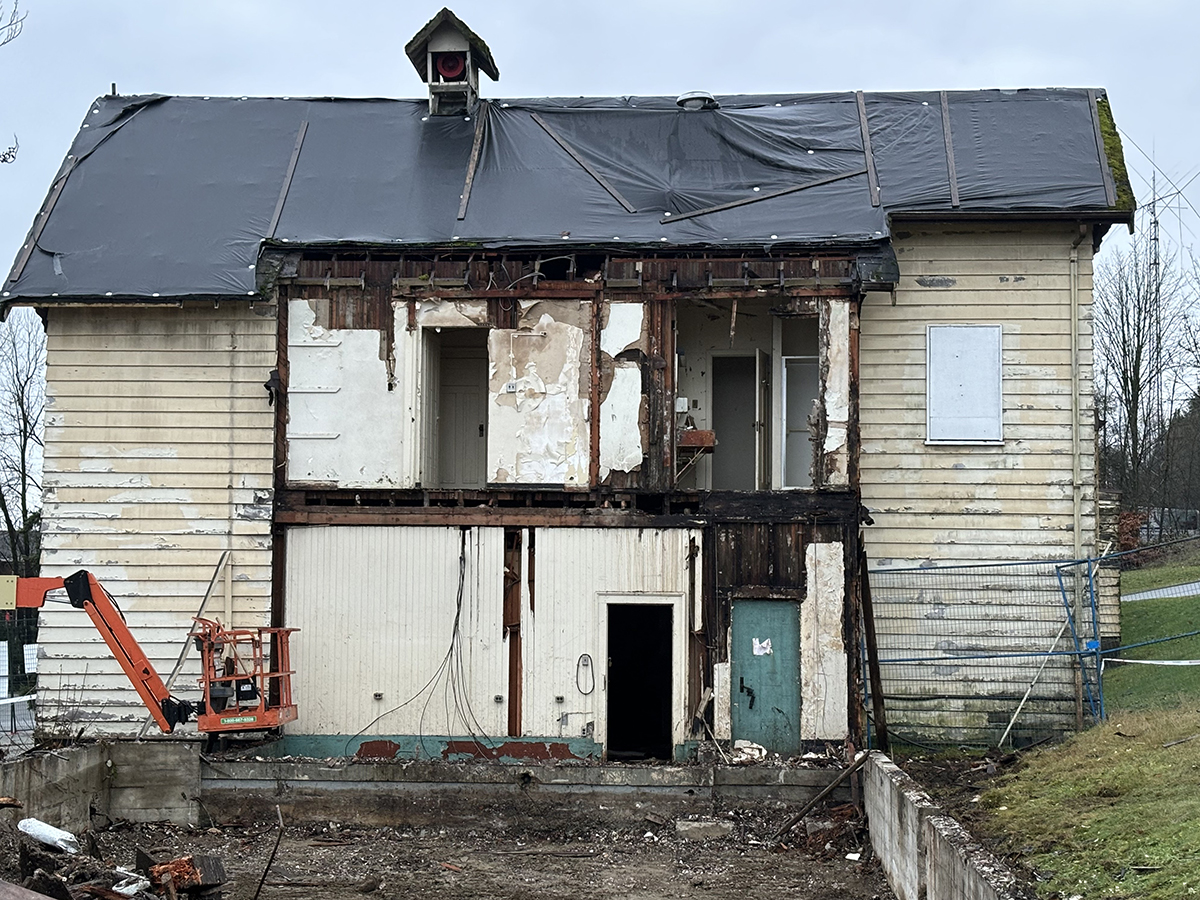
x: 510, y: 387
x: 681, y: 404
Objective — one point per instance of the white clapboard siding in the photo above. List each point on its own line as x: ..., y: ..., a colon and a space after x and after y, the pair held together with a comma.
x: 159, y: 449
x: 1019, y: 278
x: 961, y: 504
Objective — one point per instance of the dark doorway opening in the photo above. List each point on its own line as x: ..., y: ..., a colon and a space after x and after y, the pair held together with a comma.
x: 639, y: 681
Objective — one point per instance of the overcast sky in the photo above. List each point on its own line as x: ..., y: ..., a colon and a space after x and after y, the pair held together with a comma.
x: 70, y: 51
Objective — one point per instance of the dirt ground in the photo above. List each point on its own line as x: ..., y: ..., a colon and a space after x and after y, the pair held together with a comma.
x: 639, y: 862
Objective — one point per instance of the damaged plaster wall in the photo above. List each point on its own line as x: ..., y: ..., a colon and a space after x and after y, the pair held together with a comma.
x: 537, y: 427
x: 836, y: 356
x: 152, y: 470
x: 824, y: 710
x: 350, y: 404
x: 623, y: 425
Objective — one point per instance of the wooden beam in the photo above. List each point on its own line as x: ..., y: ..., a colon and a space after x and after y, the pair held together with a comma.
x: 872, y: 176
x: 952, y: 171
x: 473, y: 163
x: 770, y: 195
x: 287, y: 180
x: 600, y: 179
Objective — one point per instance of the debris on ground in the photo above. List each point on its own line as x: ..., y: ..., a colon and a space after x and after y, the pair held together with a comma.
x: 46, y: 866
x: 503, y: 852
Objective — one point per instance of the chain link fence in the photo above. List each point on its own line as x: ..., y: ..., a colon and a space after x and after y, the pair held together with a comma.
x: 1017, y: 654
x: 18, y: 678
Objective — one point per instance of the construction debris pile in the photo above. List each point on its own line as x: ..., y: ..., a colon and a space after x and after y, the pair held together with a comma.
x: 52, y: 864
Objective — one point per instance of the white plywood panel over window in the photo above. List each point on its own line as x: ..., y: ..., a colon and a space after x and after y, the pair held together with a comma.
x: 962, y: 384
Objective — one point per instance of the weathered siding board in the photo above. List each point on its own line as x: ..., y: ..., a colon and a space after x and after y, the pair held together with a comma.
x: 972, y: 504
x: 376, y: 608
x: 1019, y: 278
x: 151, y: 472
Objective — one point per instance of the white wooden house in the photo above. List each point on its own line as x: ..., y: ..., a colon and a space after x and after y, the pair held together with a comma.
x: 444, y: 378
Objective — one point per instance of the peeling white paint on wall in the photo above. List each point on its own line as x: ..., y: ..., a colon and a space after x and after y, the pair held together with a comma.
x: 824, y: 713
x: 537, y: 413
x: 620, y: 422
x: 345, y: 427
x: 452, y: 313
x: 837, y: 395
x: 623, y: 329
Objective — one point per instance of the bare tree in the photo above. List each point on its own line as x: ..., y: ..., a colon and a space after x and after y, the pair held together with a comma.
x: 1140, y: 309
x: 22, y: 409
x: 8, y: 33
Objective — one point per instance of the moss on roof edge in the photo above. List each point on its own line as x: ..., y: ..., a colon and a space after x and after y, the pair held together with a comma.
x: 1116, y: 157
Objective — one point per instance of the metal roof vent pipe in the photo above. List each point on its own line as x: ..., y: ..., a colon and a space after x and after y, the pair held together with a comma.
x: 693, y: 100
x: 450, y: 56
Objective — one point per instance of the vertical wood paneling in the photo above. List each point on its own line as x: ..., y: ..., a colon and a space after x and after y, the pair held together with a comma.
x: 158, y: 458
x: 576, y: 567
x: 376, y: 608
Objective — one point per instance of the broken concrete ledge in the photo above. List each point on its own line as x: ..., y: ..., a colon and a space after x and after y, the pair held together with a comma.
x: 153, y: 781
x: 425, y: 792
x: 924, y: 854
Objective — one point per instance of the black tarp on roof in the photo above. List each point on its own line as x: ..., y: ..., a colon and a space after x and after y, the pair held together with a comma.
x: 173, y: 196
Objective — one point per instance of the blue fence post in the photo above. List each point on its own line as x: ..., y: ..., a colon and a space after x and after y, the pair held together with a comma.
x: 1096, y: 637
x: 1079, y: 651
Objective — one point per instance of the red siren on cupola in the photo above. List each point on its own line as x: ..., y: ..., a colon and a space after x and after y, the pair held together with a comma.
x: 450, y: 56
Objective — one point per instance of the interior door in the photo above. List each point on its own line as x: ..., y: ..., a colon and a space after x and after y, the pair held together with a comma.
x: 765, y: 674
x: 734, y: 404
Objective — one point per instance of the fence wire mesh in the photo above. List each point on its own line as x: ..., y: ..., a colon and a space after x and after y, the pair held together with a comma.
x: 975, y: 654
x: 18, y: 677
x: 1014, y: 654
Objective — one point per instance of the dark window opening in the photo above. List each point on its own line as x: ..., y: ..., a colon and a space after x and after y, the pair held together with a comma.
x: 639, y: 681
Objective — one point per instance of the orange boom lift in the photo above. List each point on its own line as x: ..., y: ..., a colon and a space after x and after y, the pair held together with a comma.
x: 240, y: 693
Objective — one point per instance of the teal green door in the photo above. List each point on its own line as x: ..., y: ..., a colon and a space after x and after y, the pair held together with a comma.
x: 765, y: 668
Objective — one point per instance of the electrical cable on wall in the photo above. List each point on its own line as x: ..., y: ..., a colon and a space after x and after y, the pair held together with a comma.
x: 585, y: 673
x: 451, y: 668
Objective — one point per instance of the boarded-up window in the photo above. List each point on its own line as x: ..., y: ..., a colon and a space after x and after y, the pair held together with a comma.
x: 962, y: 384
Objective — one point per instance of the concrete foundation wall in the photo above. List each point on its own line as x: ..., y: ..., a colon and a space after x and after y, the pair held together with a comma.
x: 896, y: 809
x: 422, y: 793
x: 926, y: 855
x: 58, y: 787
x: 155, y: 781
x: 958, y: 868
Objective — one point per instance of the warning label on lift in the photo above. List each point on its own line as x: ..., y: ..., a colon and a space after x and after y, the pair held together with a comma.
x: 238, y: 720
